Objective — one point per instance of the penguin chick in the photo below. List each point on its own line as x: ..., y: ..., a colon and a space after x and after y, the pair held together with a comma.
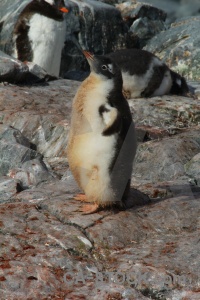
x: 102, y: 139
x: 39, y: 34
x: 145, y: 75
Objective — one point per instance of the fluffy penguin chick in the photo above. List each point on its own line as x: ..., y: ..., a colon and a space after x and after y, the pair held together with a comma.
x: 102, y: 143
x: 39, y: 34
x: 145, y: 75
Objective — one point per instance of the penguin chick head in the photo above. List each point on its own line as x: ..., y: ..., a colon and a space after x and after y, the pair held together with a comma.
x: 103, y: 66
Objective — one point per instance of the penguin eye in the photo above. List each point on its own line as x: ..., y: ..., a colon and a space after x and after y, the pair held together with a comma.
x: 104, y: 67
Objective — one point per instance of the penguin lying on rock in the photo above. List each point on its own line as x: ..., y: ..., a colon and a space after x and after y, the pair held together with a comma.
x: 145, y: 75
x: 102, y: 139
x: 39, y: 34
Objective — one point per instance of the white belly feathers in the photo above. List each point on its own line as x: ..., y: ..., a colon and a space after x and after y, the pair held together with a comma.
x: 47, y: 38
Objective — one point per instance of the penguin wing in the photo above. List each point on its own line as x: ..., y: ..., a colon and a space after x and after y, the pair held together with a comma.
x: 111, y: 118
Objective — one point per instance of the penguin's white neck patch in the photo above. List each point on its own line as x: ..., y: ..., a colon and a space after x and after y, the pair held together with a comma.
x: 110, y: 68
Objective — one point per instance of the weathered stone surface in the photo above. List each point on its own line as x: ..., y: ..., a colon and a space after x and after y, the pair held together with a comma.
x: 31, y: 173
x: 40, y: 113
x: 12, y: 70
x: 14, y: 151
x: 165, y: 160
x: 140, y: 252
x: 144, y: 20
x: 8, y: 188
x: 175, y: 8
x: 15, y: 71
x: 20, y: 160
x: 179, y: 47
x: 10, y: 11
x: 192, y: 168
x: 49, y: 249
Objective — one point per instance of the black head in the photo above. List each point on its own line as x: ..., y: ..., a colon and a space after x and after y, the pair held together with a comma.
x: 103, y: 66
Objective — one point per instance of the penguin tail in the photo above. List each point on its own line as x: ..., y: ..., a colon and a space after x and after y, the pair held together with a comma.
x: 179, y: 85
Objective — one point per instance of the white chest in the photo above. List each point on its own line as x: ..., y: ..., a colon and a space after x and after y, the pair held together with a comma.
x: 47, y: 38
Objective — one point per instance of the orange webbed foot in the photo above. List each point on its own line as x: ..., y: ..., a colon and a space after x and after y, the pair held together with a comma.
x: 90, y: 208
x: 81, y: 197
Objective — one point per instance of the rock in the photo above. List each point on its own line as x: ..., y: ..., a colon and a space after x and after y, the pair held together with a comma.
x: 19, y: 159
x: 146, y: 29
x: 49, y: 249
x: 192, y: 168
x: 187, y: 8
x: 37, y: 74
x: 10, y: 11
x: 31, y: 173
x: 144, y: 20
x: 165, y: 161
x: 14, y: 71
x: 121, y: 254
x: 41, y: 116
x: 175, y: 9
x: 14, y: 150
x: 8, y: 188
x: 171, y: 113
x: 179, y: 47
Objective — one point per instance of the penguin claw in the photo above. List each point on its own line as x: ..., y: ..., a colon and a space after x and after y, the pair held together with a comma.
x: 81, y: 197
x: 89, y: 209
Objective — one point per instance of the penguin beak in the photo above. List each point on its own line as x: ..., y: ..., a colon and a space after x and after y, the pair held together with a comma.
x: 89, y: 56
x: 64, y: 9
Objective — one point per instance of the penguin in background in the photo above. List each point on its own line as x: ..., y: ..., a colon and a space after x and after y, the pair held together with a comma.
x: 39, y: 34
x: 102, y: 139
x: 145, y: 75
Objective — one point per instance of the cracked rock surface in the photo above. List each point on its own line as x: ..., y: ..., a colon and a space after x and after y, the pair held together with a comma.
x: 50, y: 250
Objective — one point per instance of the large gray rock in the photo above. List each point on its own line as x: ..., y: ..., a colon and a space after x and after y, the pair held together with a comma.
x: 14, y: 151
x: 164, y: 161
x: 14, y: 71
x: 20, y: 160
x: 8, y: 188
x: 145, y: 21
x: 179, y: 47
x: 176, y: 8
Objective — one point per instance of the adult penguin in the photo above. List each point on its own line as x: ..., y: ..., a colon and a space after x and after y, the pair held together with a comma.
x: 39, y: 34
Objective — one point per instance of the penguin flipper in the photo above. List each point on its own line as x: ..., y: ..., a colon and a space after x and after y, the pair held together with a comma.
x: 111, y: 119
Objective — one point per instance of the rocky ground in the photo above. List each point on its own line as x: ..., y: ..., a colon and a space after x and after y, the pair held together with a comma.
x: 50, y: 250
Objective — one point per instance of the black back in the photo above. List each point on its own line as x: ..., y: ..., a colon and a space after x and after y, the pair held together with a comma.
x: 135, y: 61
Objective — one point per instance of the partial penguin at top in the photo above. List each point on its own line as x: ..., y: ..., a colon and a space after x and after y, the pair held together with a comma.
x: 145, y: 75
x: 39, y: 34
